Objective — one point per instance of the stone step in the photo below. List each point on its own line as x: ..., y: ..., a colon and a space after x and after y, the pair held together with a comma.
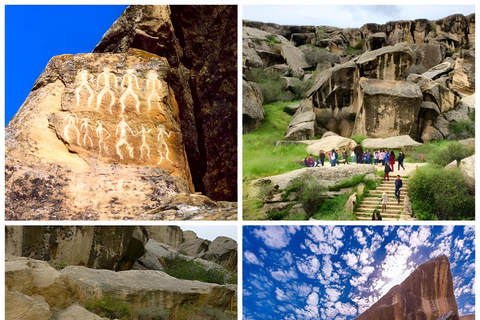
x: 383, y: 219
x: 384, y: 215
x: 373, y: 206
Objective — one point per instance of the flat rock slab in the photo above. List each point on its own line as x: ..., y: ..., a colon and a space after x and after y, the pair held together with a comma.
x: 397, y: 142
x: 331, y: 142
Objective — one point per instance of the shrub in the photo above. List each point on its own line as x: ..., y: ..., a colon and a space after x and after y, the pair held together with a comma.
x: 109, y: 308
x: 453, y: 151
x: 272, y: 39
x: 353, y: 181
x: 152, y: 313
x: 312, y: 196
x: 270, y: 84
x: 356, y: 49
x: 358, y: 139
x: 334, y: 209
x: 315, y: 55
x: 464, y: 126
x: 60, y: 266
x: 439, y: 194
x: 194, y: 270
x: 195, y: 312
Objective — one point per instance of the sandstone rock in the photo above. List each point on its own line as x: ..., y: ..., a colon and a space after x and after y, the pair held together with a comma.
x: 22, y: 307
x: 400, y: 31
x: 331, y: 142
x: 407, y: 207
x: 76, y: 312
x: 398, y: 142
x: 427, y: 56
x: 253, y: 112
x: 470, y: 142
x: 387, y: 108
x: 427, y: 294
x: 377, y: 41
x: 284, y: 69
x: 327, y: 176
x: 208, y: 118
x: 351, y: 202
x: 463, y: 79
x: 457, y: 114
x: 431, y: 133
x: 438, y: 70
x: 171, y: 235
x: 222, y: 251
x: 189, y: 235
x: 270, y: 58
x: 194, y: 248
x: 442, y: 125
x: 276, y: 206
x: 467, y: 166
x: 297, y: 209
x: 294, y: 56
x: 468, y: 317
x: 77, y: 245
x: 388, y: 63
x: 133, y: 286
x: 452, y: 165
x: 289, y: 83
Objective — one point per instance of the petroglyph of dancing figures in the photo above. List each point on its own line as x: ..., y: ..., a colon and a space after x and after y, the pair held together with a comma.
x: 156, y: 86
x: 163, y: 143
x: 144, y: 144
x: 83, y: 77
x: 106, y: 75
x: 122, y: 127
x: 72, y: 121
x: 101, y: 136
x: 86, y: 125
x: 130, y: 77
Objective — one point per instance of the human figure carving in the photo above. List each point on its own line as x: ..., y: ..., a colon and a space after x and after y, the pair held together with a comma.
x: 86, y: 125
x: 107, y: 88
x: 100, y: 134
x: 163, y: 143
x: 130, y: 76
x: 122, y: 127
x: 156, y: 86
x: 72, y: 120
x: 144, y: 143
x: 83, y: 77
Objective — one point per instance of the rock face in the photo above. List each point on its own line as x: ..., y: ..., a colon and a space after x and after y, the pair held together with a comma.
x: 253, y: 112
x: 200, y: 45
x: 116, y: 135
x: 426, y: 294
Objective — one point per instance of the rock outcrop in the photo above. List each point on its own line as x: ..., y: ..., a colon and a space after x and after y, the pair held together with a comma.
x: 126, y: 130
x: 253, y: 112
x: 426, y: 294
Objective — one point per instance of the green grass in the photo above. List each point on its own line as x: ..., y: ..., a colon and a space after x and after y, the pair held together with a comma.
x: 194, y: 270
x: 358, y: 139
x: 353, y: 181
x: 439, y: 153
x: 272, y: 39
x: 334, y: 209
x: 109, y: 308
x: 260, y: 156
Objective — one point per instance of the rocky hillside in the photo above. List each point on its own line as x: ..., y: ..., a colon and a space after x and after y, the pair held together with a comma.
x: 58, y: 272
x: 138, y: 129
x: 426, y: 294
x: 412, y: 78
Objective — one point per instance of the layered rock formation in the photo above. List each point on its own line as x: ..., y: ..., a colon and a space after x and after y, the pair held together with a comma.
x: 401, y: 79
x: 54, y: 271
x: 426, y: 294
x: 132, y: 130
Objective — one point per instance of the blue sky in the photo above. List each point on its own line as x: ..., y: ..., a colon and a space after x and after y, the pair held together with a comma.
x: 51, y: 30
x: 337, y: 272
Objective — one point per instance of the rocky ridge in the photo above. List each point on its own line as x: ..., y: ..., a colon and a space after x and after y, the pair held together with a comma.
x: 47, y: 276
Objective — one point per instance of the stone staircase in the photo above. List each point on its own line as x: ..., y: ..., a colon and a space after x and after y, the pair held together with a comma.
x: 394, y: 209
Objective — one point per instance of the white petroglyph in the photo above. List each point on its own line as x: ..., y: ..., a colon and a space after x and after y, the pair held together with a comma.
x: 123, y: 126
x: 163, y: 143
x: 106, y: 75
x: 144, y: 143
x: 86, y: 125
x: 83, y: 77
x: 156, y: 86
x: 101, y: 136
x: 72, y: 120
x: 130, y: 76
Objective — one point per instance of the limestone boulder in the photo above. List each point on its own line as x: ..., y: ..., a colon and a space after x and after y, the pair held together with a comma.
x: 387, y: 108
x: 280, y: 68
x: 460, y: 112
x: 377, y: 41
x: 253, y: 112
x: 22, y: 307
x: 331, y: 142
x: 208, y: 118
x: 400, y: 31
x: 294, y: 57
x: 470, y: 142
x: 351, y: 202
x: 387, y: 63
x: 468, y: 317
x: 463, y: 79
x: 302, y: 125
x: 327, y: 176
x: 398, y: 142
x: 467, y: 166
x: 171, y: 235
x: 442, y: 125
x: 133, y: 286
x: 194, y: 248
x: 78, y: 245
x: 222, y: 251
x: 427, y: 294
x: 77, y: 312
x: 427, y: 56
x: 289, y: 83
x: 431, y: 133
x: 270, y: 58
x: 439, y: 70
x: 291, y: 109
x: 189, y: 235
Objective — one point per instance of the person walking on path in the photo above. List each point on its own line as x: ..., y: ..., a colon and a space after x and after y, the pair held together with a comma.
x: 400, y: 158
x: 345, y: 156
x: 359, y: 152
x: 352, y: 154
x: 392, y: 160
x: 333, y: 159
x: 398, y: 185
x: 387, y: 171
x: 322, y: 157
x: 384, y: 201
x: 380, y: 157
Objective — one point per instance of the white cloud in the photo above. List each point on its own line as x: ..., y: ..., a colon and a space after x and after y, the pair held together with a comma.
x: 275, y: 237
x: 357, y: 232
x: 419, y: 238
x: 346, y: 309
x: 395, y: 264
x: 284, y: 275
x: 252, y: 258
x: 351, y: 259
x: 280, y: 294
x: 446, y: 231
x: 333, y: 294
